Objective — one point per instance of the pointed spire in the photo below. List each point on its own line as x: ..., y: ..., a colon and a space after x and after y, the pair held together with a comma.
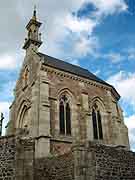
x: 33, y: 37
x: 34, y: 13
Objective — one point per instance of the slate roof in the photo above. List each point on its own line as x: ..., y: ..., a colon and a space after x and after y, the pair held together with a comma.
x: 73, y: 69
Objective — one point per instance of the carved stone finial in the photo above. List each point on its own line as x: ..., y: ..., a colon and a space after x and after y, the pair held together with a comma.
x: 34, y: 13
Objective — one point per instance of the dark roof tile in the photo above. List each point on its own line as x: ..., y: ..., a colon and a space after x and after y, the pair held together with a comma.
x: 67, y: 67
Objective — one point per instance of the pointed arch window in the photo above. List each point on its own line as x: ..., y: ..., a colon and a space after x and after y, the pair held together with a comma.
x: 97, y: 123
x: 64, y: 116
x: 24, y: 117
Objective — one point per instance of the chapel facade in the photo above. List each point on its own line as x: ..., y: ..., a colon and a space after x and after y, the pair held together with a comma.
x: 59, y: 104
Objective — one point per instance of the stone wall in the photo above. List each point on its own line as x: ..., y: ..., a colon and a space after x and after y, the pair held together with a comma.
x: 24, y: 162
x: 16, y: 158
x: 54, y: 168
x: 99, y: 162
x: 114, y: 164
x: 7, y: 158
x: 87, y: 161
x: 17, y: 162
x: 59, y: 148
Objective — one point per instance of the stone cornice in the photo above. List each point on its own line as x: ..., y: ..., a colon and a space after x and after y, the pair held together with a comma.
x: 64, y: 140
x: 78, y: 78
x: 39, y: 137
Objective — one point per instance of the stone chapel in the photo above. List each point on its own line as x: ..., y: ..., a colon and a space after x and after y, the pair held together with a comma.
x: 59, y: 104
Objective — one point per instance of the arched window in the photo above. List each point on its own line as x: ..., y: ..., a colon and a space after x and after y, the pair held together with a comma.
x: 64, y: 116
x: 24, y: 118
x: 97, y: 123
x: 95, y: 130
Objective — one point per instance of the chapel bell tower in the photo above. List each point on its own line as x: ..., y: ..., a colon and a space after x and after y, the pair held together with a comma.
x: 33, y: 40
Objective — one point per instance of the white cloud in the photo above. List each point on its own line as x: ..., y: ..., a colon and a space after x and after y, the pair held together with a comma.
x: 86, y: 46
x: 7, y: 89
x: 6, y: 93
x: 77, y: 33
x: 130, y: 122
x: 7, y: 62
x: 4, y: 106
x: 65, y: 23
x: 10, y: 61
x: 78, y: 25
x: 54, y: 15
x: 114, y: 57
x: 109, y: 7
x: 75, y: 62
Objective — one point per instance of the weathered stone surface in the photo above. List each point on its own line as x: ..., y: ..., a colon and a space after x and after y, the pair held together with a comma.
x: 24, y: 162
x: 59, y: 148
x: 114, y: 163
x: 54, y: 168
x: 87, y: 161
x: 16, y: 158
x: 100, y: 162
x: 7, y: 158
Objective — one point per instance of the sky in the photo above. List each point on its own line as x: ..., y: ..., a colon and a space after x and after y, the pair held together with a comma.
x: 95, y: 34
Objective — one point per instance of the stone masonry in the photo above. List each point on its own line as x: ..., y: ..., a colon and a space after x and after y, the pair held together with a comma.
x: 16, y: 158
x: 100, y: 162
x: 7, y: 158
x: 86, y: 161
x: 54, y: 168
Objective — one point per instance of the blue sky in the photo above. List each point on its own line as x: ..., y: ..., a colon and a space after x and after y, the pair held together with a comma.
x: 95, y: 34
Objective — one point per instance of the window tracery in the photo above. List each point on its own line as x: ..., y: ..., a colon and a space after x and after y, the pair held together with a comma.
x: 64, y: 115
x: 97, y: 123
